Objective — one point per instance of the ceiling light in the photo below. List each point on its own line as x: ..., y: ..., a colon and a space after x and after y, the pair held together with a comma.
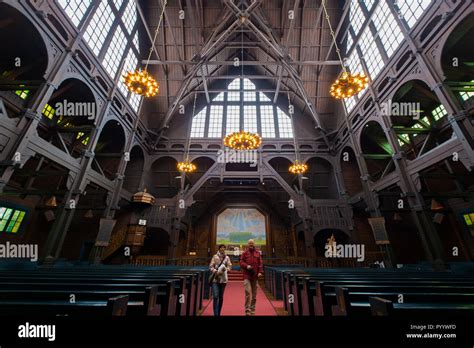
x: 298, y: 168
x: 186, y: 166
x: 348, y: 85
x: 243, y: 141
x: 140, y: 82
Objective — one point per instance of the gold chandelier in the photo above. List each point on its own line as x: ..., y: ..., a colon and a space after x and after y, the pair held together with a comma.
x: 298, y: 168
x: 140, y: 81
x: 243, y: 141
x: 186, y: 166
x: 348, y: 84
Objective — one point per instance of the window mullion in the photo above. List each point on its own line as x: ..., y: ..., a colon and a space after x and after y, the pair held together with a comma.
x: 378, y: 42
x: 275, y: 122
x: 207, y: 121
x: 224, y: 115
x: 259, y: 115
x: 241, y: 106
x: 108, y: 39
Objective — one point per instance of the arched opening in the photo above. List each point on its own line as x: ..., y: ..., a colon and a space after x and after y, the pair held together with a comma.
x: 323, y: 237
x: 449, y: 184
x: 400, y: 226
x: 350, y: 172
x: 109, y: 150
x: 376, y: 150
x: 301, y: 244
x: 203, y: 164
x: 157, y: 242
x: 165, y: 178
x: 68, y: 117
x: 31, y: 190
x: 321, y: 182
x: 281, y: 165
x: 457, y: 58
x: 134, y: 170
x: 24, y: 55
x: 419, y: 119
x: 85, y: 222
x: 181, y: 247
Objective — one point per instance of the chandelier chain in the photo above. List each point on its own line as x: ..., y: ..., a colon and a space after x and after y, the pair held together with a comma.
x: 156, y: 33
x: 292, y: 124
x: 333, y: 35
x: 188, y: 145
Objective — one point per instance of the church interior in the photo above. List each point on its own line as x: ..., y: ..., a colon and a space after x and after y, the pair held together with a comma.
x: 137, y: 136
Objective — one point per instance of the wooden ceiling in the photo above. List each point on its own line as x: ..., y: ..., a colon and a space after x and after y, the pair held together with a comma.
x: 285, y: 44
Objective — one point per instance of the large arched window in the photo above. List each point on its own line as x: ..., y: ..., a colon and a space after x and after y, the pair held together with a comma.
x: 379, y: 37
x: 241, y: 107
x: 120, y: 17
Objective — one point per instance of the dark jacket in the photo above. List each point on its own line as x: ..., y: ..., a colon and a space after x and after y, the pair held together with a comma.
x: 254, y: 259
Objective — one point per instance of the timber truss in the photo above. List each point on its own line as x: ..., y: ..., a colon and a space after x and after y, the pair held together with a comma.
x: 233, y: 20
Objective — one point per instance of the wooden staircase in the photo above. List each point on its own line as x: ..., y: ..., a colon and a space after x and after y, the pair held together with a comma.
x: 235, y: 276
x: 116, y: 241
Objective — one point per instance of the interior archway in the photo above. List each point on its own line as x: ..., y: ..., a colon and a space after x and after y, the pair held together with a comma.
x: 134, y: 170
x: 320, y: 239
x: 321, y: 180
x: 376, y: 150
x: 156, y: 242
x: 420, y: 122
x: 109, y: 149
x: 457, y: 58
x: 68, y: 117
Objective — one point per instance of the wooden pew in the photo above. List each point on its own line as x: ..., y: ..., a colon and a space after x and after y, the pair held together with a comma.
x: 114, y: 306
x: 186, y: 284
x: 149, y: 300
x: 308, y: 299
x: 191, y: 281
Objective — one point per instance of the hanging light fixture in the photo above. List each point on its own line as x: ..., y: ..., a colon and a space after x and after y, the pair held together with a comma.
x: 347, y: 84
x: 435, y: 205
x: 242, y: 140
x: 296, y: 167
x: 140, y: 81
x: 143, y: 197
x: 89, y: 214
x: 51, y: 202
x: 186, y: 166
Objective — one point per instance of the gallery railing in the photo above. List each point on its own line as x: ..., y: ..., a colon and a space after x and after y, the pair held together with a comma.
x: 319, y: 262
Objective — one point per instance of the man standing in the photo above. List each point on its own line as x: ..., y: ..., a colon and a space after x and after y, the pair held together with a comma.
x: 220, y: 264
x: 252, y: 267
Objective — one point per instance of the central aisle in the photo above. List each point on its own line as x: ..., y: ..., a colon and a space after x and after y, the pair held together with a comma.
x: 234, y: 300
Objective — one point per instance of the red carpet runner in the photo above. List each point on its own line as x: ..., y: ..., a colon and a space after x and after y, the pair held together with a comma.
x: 234, y: 301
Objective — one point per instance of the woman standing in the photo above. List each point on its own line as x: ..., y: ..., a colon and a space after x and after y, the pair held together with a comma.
x: 220, y: 265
